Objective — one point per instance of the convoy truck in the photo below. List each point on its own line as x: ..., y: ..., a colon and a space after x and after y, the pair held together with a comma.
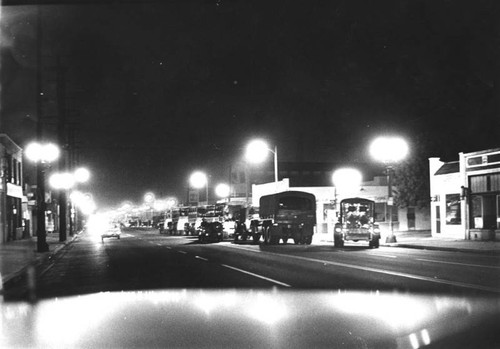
x: 286, y: 215
x: 356, y: 223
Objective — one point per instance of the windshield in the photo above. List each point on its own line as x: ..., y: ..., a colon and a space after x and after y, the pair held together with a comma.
x: 358, y: 214
x: 165, y: 117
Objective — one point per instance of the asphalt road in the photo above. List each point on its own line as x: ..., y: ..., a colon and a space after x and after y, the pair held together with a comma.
x: 144, y: 259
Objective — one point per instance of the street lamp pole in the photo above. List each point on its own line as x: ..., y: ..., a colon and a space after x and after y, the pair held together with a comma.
x: 389, y: 150
x: 276, y: 166
x: 256, y: 152
x: 41, y: 234
x: 41, y: 154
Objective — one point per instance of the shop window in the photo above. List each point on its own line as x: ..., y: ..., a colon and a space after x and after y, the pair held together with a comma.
x: 478, y: 184
x: 477, y: 212
x: 484, y: 212
x: 453, y: 214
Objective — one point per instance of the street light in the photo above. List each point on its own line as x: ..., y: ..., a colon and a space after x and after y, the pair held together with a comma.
x: 63, y: 182
x: 42, y: 154
x: 347, y: 179
x: 199, y: 180
x: 222, y: 190
x: 257, y: 151
x: 389, y: 150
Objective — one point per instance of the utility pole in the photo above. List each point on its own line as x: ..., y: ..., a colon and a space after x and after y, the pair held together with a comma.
x: 41, y: 234
x: 61, y: 135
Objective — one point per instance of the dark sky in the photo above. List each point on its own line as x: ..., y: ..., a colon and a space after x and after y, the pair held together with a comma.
x: 158, y: 89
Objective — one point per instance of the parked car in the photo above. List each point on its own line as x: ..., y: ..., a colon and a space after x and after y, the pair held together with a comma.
x: 210, y: 232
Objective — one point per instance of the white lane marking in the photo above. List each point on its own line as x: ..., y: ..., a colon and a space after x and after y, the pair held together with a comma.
x: 203, y: 259
x: 183, y: 252
x: 241, y: 248
x: 456, y: 263
x: 256, y: 275
x: 387, y: 272
x: 168, y: 247
x: 158, y: 244
x: 382, y: 255
x: 405, y: 275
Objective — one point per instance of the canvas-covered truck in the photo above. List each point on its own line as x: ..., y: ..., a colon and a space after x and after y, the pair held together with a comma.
x: 287, y: 215
x: 356, y: 223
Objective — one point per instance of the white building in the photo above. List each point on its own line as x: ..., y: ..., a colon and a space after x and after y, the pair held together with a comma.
x: 465, y: 196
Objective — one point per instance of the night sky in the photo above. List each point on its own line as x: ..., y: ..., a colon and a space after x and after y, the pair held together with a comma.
x: 155, y: 90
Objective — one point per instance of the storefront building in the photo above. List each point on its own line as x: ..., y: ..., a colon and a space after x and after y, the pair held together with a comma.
x: 465, y: 196
x: 11, y: 191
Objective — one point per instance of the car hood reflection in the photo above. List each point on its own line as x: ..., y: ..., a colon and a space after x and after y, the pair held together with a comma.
x: 251, y: 318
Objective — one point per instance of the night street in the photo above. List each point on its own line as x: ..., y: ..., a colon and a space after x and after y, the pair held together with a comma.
x: 144, y: 259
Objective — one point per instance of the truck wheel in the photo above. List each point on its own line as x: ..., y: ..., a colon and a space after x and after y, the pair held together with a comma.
x: 266, y: 236
x: 285, y: 240
x: 376, y: 243
x: 256, y: 238
x: 296, y: 241
x: 274, y: 240
x: 309, y: 240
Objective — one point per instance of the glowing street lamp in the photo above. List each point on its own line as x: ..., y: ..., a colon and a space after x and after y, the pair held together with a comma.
x: 222, y: 190
x: 81, y: 175
x: 389, y: 150
x: 199, y: 180
x: 42, y: 154
x: 63, y: 182
x: 257, y: 151
x: 347, y: 179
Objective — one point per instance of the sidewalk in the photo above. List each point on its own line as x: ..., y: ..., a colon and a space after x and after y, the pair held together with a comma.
x: 15, y: 256
x: 424, y: 240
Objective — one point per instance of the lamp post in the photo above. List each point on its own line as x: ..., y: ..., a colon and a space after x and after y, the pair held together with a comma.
x: 63, y: 182
x: 149, y: 199
x: 199, y: 180
x: 257, y: 151
x: 389, y: 150
x: 42, y: 154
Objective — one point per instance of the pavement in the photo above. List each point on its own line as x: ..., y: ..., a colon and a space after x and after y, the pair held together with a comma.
x: 16, y: 256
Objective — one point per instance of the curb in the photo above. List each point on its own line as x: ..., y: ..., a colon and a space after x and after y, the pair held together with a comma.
x: 441, y: 248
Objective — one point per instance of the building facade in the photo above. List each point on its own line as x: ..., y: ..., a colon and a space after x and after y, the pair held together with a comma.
x: 13, y: 204
x: 465, y: 196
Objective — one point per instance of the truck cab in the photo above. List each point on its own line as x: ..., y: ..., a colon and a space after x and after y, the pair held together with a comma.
x: 288, y: 215
x: 356, y: 223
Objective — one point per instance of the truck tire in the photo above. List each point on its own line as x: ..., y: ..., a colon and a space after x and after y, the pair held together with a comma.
x: 266, y: 233
x: 309, y: 240
x: 256, y: 238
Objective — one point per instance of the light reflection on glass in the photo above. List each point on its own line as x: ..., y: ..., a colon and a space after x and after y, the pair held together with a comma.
x: 268, y: 310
